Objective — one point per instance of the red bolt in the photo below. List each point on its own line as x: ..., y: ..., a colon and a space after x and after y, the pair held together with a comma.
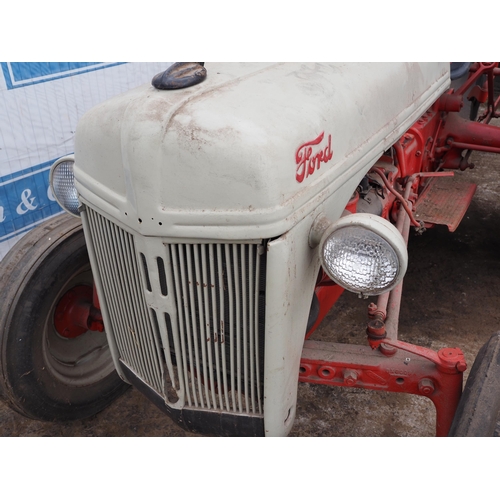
x: 461, y: 366
x: 387, y: 350
x: 376, y: 329
x: 350, y: 377
x: 426, y: 386
x: 372, y: 309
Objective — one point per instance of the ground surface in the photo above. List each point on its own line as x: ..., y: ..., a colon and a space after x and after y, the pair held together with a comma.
x: 451, y: 298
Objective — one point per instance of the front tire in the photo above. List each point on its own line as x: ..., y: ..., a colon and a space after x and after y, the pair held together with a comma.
x: 478, y: 411
x: 44, y: 375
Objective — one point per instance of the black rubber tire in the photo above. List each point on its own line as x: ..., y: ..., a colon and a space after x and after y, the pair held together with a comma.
x: 479, y: 407
x: 43, y: 375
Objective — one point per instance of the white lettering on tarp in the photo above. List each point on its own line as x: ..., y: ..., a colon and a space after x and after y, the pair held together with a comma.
x: 50, y: 194
x: 27, y: 203
x: 2, y: 216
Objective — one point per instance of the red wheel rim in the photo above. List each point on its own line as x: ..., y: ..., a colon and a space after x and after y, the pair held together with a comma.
x: 72, y: 312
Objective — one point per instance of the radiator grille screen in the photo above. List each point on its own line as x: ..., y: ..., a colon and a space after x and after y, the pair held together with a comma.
x: 204, y: 347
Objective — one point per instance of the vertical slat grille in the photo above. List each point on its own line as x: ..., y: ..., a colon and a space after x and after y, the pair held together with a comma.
x: 118, y: 263
x: 219, y: 294
x: 213, y: 331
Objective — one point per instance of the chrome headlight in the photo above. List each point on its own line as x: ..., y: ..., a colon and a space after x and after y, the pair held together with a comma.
x: 62, y: 182
x: 364, y: 254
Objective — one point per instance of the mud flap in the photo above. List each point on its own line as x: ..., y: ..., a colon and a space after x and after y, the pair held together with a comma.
x: 477, y: 412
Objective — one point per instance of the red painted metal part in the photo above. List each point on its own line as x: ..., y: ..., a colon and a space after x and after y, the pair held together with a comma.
x: 411, y: 370
x: 327, y: 294
x: 397, y: 195
x: 76, y: 313
x: 445, y: 201
x: 435, y: 142
x: 483, y: 93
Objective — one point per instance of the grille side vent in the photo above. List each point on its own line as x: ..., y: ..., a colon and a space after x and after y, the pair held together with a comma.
x: 162, y: 276
x: 118, y: 265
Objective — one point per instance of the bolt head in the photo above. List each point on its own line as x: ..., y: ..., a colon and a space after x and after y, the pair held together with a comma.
x: 350, y: 377
x: 426, y: 386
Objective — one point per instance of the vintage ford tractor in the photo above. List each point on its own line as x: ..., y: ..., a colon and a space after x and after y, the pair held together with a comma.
x: 216, y: 215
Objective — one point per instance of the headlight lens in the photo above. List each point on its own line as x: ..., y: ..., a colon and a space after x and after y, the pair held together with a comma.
x: 62, y: 182
x: 364, y: 253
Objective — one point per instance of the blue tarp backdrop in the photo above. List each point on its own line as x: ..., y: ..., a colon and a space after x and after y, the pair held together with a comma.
x: 40, y: 105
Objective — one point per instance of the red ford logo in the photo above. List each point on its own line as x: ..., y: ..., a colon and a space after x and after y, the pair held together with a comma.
x: 309, y: 158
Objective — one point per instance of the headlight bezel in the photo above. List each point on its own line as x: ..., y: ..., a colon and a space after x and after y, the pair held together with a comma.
x: 70, y: 208
x: 378, y: 226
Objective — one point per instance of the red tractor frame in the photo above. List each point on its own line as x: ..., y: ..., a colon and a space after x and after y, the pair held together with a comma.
x: 416, y: 179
